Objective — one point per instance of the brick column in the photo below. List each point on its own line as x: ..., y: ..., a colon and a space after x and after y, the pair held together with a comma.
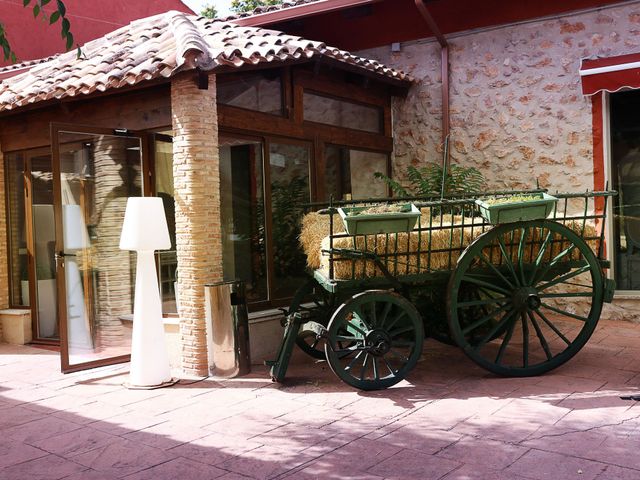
x: 197, y: 196
x: 4, y: 253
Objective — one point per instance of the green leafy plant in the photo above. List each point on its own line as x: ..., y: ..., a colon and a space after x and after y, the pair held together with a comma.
x: 209, y: 11
x: 427, y: 181
x: 241, y: 6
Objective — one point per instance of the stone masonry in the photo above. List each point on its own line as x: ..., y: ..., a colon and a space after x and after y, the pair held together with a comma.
x: 517, y: 111
x: 197, y: 196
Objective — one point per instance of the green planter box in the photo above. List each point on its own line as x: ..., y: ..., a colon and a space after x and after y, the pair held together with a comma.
x: 392, y: 222
x: 519, y: 210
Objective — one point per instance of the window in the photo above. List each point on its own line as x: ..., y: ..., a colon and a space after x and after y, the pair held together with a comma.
x: 625, y: 169
x: 349, y: 173
x: 342, y: 113
x: 18, y: 264
x: 243, y: 215
x: 261, y: 208
x: 261, y: 92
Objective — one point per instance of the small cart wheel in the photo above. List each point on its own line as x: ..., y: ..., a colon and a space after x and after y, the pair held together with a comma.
x: 321, y: 305
x: 375, y: 338
x: 539, y: 290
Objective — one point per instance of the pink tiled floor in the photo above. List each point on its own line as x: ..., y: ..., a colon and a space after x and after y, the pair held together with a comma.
x: 450, y: 420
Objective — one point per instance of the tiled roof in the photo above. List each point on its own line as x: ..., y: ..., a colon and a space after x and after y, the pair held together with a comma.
x: 161, y: 46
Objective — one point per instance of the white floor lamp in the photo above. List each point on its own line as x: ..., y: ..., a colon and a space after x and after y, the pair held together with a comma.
x: 145, y: 230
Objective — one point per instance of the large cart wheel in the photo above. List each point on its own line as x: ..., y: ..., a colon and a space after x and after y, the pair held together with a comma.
x: 316, y: 305
x: 538, y: 294
x: 375, y: 338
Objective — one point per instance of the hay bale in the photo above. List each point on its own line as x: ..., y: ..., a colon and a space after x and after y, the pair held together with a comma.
x: 417, y: 252
x: 315, y: 227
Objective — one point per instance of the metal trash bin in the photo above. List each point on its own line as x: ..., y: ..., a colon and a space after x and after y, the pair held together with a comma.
x: 227, y: 329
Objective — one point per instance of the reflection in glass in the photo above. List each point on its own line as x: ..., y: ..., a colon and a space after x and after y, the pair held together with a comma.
x: 15, y: 165
x: 350, y: 173
x: 97, y: 174
x: 167, y: 259
x: 243, y: 215
x: 289, y: 174
x: 341, y: 113
x: 260, y: 91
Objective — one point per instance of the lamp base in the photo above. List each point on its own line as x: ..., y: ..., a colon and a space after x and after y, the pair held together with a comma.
x: 168, y: 383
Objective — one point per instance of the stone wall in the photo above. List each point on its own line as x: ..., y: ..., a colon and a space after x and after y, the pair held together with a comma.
x: 517, y: 111
x: 4, y: 271
x: 197, y: 195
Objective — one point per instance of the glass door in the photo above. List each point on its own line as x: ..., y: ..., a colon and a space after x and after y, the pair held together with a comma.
x: 94, y: 172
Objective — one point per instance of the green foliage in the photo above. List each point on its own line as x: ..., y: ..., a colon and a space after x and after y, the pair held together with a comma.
x: 58, y: 14
x: 427, y: 181
x: 287, y: 199
x: 240, y: 6
x: 209, y: 11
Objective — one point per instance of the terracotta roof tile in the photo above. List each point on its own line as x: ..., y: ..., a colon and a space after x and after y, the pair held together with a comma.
x: 159, y: 47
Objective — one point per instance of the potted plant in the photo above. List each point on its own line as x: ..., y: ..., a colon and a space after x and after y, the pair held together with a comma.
x: 516, y: 208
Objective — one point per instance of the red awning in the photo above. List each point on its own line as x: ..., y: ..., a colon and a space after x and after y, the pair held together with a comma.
x: 610, y: 74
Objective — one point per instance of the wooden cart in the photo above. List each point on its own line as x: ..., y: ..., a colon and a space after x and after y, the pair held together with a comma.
x: 519, y: 298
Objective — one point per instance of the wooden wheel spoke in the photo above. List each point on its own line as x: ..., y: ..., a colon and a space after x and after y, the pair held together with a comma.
x: 353, y: 361
x: 394, y: 321
x: 564, y: 312
x: 401, y: 330
x: 521, y: 245
x: 507, y: 260
x: 373, y: 317
x: 363, y: 370
x: 525, y: 340
x: 553, y: 263
x: 540, y: 257
x: 505, y: 343
x: 385, y: 314
x: 490, y: 264
x: 476, y: 303
x: 482, y: 283
x: 499, y: 326
x: 543, y: 341
x: 562, y: 278
x: 552, y: 326
x: 565, y: 294
x: 485, y: 319
x: 391, y: 370
x: 376, y: 376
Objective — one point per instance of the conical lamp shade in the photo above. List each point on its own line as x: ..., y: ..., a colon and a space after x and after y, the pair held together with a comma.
x: 145, y: 225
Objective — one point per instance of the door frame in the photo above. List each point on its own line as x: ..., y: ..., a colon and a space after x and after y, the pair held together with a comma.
x: 55, y: 129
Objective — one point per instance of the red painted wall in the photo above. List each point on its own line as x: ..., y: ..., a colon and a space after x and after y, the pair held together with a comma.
x: 33, y: 38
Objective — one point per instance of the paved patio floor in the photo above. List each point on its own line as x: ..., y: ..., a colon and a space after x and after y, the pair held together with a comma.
x: 451, y: 420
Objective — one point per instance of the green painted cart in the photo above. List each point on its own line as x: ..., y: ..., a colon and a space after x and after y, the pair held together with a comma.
x: 519, y: 298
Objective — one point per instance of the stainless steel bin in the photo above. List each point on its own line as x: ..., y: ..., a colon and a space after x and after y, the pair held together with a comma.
x: 227, y: 329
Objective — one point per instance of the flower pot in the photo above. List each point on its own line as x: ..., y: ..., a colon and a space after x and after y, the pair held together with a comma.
x: 539, y: 207
x: 356, y: 223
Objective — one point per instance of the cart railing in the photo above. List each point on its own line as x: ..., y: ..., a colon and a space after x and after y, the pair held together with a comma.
x: 444, y: 230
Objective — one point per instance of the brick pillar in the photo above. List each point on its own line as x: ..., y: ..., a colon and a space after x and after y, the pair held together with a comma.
x: 197, y: 195
x: 4, y: 253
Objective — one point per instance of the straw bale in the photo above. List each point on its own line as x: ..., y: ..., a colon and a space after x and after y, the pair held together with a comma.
x: 315, y: 227
x: 418, y: 252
